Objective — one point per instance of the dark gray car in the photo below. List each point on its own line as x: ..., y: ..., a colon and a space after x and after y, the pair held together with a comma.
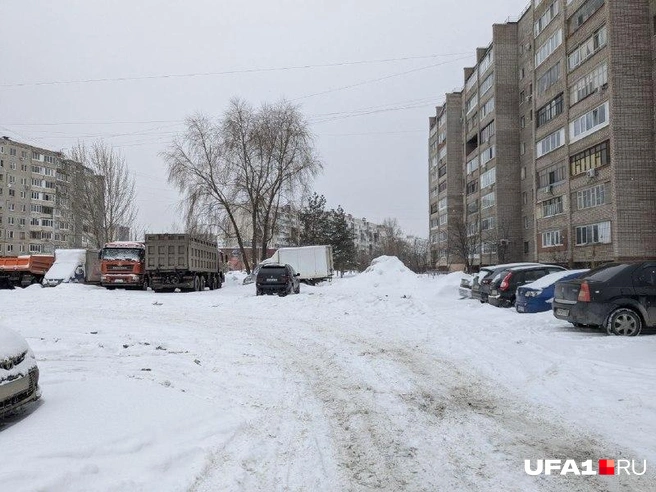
x: 274, y: 278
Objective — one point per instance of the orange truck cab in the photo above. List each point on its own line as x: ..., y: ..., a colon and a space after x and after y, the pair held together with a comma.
x: 21, y: 271
x: 122, y: 265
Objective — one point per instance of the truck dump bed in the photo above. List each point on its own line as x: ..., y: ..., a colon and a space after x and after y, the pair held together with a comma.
x: 180, y: 252
x: 35, y: 264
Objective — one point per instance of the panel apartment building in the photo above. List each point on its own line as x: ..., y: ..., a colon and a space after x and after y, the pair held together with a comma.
x: 584, y: 172
x: 37, y: 200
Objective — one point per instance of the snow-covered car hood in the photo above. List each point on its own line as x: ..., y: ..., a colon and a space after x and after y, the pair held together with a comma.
x: 16, y: 357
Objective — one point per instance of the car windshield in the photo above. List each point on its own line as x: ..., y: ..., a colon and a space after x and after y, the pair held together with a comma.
x: 134, y: 254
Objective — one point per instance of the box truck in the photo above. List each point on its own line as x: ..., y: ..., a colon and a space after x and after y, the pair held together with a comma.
x: 314, y: 263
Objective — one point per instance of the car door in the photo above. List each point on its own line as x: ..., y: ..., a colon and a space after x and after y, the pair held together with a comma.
x: 644, y: 284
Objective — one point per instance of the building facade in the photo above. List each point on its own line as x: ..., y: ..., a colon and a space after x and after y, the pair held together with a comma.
x: 578, y: 187
x: 37, y: 200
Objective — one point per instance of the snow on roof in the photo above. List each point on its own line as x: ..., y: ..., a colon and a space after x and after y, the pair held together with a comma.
x: 552, y: 278
x: 125, y: 244
x: 66, y: 262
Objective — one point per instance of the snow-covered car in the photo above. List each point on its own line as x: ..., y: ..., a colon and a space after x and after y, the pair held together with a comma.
x: 537, y: 296
x: 19, y: 374
x: 68, y: 267
x: 465, y: 289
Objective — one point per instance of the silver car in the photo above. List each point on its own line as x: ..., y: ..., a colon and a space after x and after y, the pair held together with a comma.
x: 19, y: 374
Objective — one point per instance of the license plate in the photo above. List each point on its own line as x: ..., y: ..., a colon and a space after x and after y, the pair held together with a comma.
x: 562, y: 312
x: 14, y: 387
x: 271, y: 279
x: 520, y: 309
x: 118, y: 281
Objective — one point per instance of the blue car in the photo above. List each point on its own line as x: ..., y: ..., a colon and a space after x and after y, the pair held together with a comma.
x: 537, y: 296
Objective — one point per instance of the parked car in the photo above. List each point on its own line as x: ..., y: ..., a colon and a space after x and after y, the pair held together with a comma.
x: 503, y: 287
x: 465, y: 289
x: 19, y: 374
x: 481, y: 284
x: 620, y: 297
x: 274, y: 278
x: 537, y: 296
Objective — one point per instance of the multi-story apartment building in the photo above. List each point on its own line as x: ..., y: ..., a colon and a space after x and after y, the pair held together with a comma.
x: 366, y: 235
x: 37, y: 200
x: 445, y: 176
x: 583, y: 174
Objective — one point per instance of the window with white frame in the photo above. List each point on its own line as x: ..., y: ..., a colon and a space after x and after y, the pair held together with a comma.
x: 589, y: 123
x: 593, y: 234
x: 443, y: 219
x: 36, y: 248
x: 546, y: 18
x: 488, y: 154
x: 549, y: 78
x: 472, y: 228
x: 548, y: 47
x: 487, y: 108
x: 488, y: 200
x: 441, y: 205
x: 486, y: 62
x: 488, y: 178
x: 487, y: 132
x: 588, y: 84
x: 550, y: 143
x: 487, y: 84
x: 591, y: 197
x: 551, y: 238
x: 589, y: 47
x: 471, y: 81
x: 442, y: 153
x: 586, y: 11
x: 488, y: 224
x: 552, y: 207
x: 471, y: 103
x: 472, y: 165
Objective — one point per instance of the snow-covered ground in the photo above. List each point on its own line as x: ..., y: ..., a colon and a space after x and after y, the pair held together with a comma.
x: 385, y: 380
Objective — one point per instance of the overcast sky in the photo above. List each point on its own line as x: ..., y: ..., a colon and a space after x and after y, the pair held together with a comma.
x: 370, y: 119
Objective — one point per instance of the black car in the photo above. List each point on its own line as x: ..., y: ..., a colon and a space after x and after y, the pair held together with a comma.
x: 274, y: 278
x: 481, y: 285
x: 503, y: 286
x: 620, y: 297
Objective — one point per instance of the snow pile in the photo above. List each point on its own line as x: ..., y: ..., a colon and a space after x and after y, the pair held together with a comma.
x: 385, y: 274
x: 552, y: 278
x: 66, y: 264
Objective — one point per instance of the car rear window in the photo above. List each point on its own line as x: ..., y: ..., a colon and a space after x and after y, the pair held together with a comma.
x: 605, y: 272
x: 266, y: 271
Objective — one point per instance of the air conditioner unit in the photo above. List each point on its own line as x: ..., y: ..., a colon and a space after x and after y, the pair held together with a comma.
x: 591, y: 173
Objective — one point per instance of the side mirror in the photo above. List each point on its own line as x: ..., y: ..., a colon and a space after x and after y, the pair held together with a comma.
x: 297, y: 275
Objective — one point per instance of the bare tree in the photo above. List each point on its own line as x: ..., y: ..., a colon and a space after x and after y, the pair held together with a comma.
x: 463, y: 240
x: 392, y: 238
x: 106, y: 191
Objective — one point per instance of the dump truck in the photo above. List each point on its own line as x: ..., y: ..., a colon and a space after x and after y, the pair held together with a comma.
x: 182, y: 261
x: 21, y: 271
x: 122, y: 265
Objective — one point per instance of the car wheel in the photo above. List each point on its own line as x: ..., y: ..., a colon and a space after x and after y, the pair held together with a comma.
x: 297, y: 290
x: 578, y: 325
x: 624, y: 322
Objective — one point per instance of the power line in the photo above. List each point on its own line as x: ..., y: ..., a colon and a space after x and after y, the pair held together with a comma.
x: 225, y: 72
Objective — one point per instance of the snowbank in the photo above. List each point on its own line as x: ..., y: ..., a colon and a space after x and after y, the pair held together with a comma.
x: 385, y: 274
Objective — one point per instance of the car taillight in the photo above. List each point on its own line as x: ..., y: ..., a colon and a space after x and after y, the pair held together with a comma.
x: 505, y: 283
x: 584, y: 293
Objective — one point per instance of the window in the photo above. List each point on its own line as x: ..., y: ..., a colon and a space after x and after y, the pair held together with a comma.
x: 441, y: 187
x: 486, y: 62
x: 591, y: 158
x: 552, y: 207
x: 588, y: 84
x: 36, y: 248
x: 487, y: 108
x: 549, y: 78
x: 488, y: 178
x: 36, y: 156
x: 488, y: 201
x: 487, y: 224
x: 472, y: 228
x: 441, y: 205
x: 525, y: 222
x: 472, y: 207
x: 546, y: 18
x: 589, y: 123
x: 586, y: 11
x: 50, y: 159
x: 551, y: 238
x: 442, y: 153
x: 487, y: 84
x: 591, y: 197
x: 443, y: 219
x: 441, y: 171
x: 551, y: 176
x: 526, y: 245
x: 589, y: 47
x: 471, y: 103
x: 522, y: 173
x: 550, y: 110
x: 12, y: 151
x: 472, y: 165
x: 548, y: 47
x: 593, y: 234
x: 522, y: 148
x: 487, y: 155
x: 550, y: 143
x: 471, y: 81
x: 487, y: 132
x: 472, y: 187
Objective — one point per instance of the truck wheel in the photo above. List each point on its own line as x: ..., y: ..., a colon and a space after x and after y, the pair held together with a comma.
x: 144, y: 285
x: 202, y: 284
